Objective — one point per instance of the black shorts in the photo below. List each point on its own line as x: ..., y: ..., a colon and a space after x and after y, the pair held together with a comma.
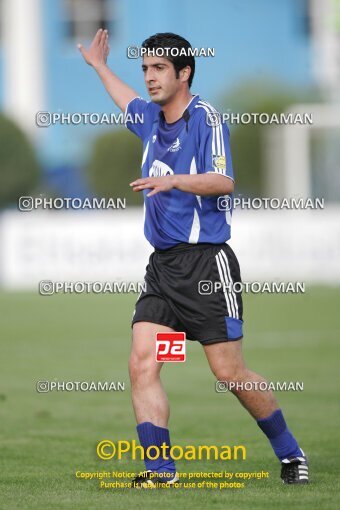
x: 191, y: 288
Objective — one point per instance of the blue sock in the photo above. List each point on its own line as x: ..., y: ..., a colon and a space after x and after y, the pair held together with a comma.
x: 149, y: 434
x: 282, y: 440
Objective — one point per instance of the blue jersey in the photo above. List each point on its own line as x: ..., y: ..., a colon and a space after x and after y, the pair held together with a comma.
x: 188, y: 146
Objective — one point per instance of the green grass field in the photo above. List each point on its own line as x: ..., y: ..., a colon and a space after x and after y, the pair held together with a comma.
x: 45, y: 438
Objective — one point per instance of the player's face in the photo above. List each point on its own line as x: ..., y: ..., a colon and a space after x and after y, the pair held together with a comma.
x: 160, y: 79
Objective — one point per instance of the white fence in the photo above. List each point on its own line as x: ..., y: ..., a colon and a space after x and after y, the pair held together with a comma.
x: 280, y: 245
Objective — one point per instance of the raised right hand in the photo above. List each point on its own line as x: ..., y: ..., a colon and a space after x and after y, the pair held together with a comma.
x: 98, y: 51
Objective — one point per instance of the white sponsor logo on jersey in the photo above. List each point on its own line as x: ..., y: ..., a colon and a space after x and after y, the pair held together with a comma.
x: 160, y: 169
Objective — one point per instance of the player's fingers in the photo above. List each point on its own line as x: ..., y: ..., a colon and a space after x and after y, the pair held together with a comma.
x: 97, y: 37
x: 138, y: 181
x: 102, y: 39
x: 82, y: 50
x: 153, y: 192
x: 140, y: 187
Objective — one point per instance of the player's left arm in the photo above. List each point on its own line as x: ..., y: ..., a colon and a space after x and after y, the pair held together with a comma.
x: 201, y: 184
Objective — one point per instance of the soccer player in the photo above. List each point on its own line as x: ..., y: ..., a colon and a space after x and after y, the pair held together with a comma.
x: 186, y: 171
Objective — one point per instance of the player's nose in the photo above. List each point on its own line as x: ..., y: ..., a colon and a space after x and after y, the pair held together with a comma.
x: 149, y: 76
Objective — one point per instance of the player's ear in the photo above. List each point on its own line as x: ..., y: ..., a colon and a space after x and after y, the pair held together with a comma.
x: 184, y: 73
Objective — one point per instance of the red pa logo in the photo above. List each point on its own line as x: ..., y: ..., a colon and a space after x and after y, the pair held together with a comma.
x: 170, y: 347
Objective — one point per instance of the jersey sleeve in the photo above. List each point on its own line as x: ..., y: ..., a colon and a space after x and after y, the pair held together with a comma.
x: 140, y: 115
x: 214, y: 150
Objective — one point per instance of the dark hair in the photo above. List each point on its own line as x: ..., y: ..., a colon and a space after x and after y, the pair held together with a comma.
x: 170, y: 40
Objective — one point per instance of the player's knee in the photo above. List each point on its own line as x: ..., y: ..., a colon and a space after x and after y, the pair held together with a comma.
x: 141, y: 367
x: 229, y: 374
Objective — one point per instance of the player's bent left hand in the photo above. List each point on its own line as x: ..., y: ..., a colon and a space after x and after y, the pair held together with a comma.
x: 157, y: 184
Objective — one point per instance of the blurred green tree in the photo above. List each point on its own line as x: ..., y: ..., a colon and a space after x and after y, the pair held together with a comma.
x: 115, y: 162
x: 247, y: 140
x: 19, y: 167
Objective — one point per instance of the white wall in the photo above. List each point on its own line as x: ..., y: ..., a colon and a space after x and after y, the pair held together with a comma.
x: 109, y: 246
x: 23, y: 45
